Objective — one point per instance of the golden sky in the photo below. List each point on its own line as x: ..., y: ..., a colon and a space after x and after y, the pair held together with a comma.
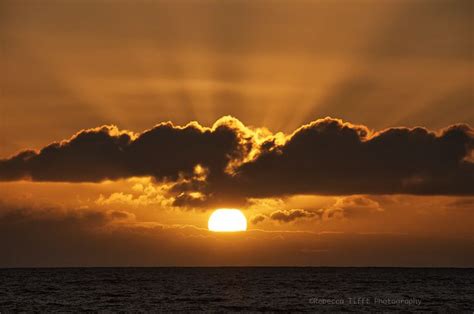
x: 102, y: 164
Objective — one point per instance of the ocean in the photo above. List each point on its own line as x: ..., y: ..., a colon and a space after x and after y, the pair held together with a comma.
x: 237, y: 289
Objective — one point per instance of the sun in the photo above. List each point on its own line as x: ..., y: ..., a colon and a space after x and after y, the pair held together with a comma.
x: 227, y: 220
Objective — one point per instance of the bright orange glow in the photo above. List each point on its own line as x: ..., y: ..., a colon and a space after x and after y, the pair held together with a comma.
x: 227, y: 220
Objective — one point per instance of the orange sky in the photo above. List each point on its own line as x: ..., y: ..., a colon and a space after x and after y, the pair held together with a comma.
x: 348, y: 192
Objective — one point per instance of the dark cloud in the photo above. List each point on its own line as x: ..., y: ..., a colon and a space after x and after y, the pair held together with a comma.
x: 291, y: 215
x: 120, y: 215
x: 332, y: 157
x: 164, y: 152
x: 258, y: 219
x: 326, y: 156
x: 285, y: 215
x: 353, y: 206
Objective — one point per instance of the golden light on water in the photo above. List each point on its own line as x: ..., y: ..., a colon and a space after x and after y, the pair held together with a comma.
x: 227, y: 220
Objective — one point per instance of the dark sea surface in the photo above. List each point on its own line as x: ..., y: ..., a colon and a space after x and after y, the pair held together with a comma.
x: 237, y: 289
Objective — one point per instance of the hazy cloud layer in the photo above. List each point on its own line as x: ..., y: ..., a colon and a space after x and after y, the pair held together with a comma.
x: 54, y: 237
x: 354, y: 206
x: 230, y: 161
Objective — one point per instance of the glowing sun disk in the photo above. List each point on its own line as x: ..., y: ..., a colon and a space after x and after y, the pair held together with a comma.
x: 227, y: 220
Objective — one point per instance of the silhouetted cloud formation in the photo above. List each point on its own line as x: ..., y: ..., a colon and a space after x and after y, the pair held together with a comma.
x: 103, y: 153
x: 352, y: 206
x: 332, y: 157
x: 231, y: 161
x: 291, y: 215
x: 285, y: 216
x: 258, y: 219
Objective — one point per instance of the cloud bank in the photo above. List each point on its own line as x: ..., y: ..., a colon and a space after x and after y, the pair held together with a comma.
x: 232, y: 161
x: 35, y: 237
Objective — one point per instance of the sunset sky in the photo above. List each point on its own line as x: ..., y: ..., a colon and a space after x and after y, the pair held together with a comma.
x: 343, y: 131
